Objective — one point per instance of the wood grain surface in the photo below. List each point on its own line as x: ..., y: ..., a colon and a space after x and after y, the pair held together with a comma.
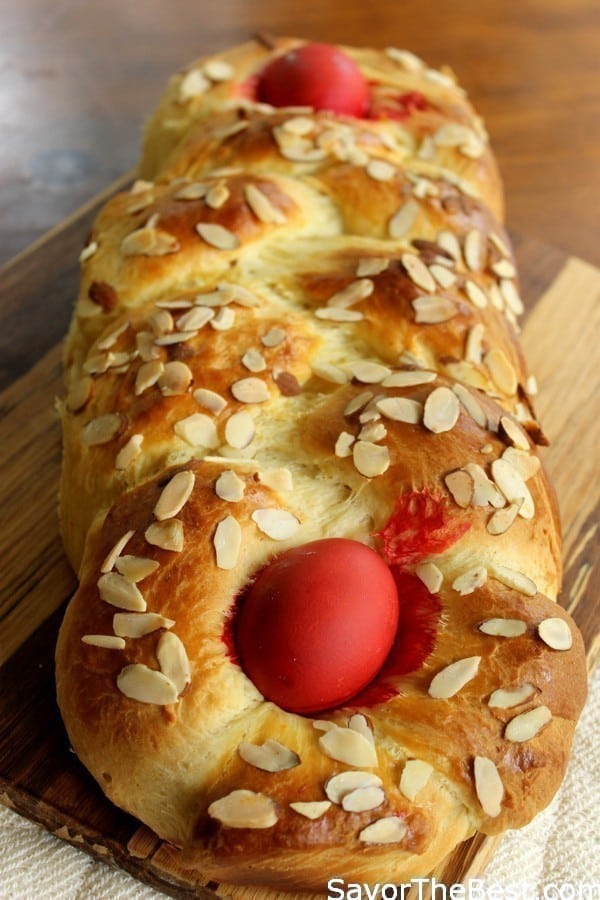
x: 39, y: 776
x: 78, y: 80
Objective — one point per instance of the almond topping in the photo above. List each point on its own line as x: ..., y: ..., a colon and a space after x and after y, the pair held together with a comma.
x: 476, y: 294
x: 277, y: 479
x: 444, y: 277
x: 441, y: 410
x: 526, y: 465
x: 375, y: 431
x: 198, y: 430
x: 525, y: 726
x: 136, y: 568
x: 128, y: 453
x: 88, y: 251
x: 136, y: 625
x: 101, y: 430
x: 513, y: 487
x: 250, y: 390
x: 217, y: 195
x: 402, y: 221
x: 106, y: 641
x: 116, y: 590
x: 348, y: 746
x: 79, y: 393
x: 195, y: 319
x: 116, y: 551
x: 409, y: 378
x: 431, y: 309
x: 147, y: 375
x: 415, y: 775
x: 368, y: 372
x: 175, y: 495
x: 484, y: 491
x: 474, y: 345
x: 556, y: 633
x: 363, y: 799
x: 488, y: 786
x: 278, y: 524
x: 380, y: 170
x: 175, y: 379
x: 240, y: 430
x: 271, y: 756
x: 510, y: 293
x: 358, y: 722
x: 503, y: 627
x: 401, y: 409
x: 209, y: 400
x: 167, y: 535
x: 227, y: 542
x: 389, y: 830
x: 430, y: 575
x: 138, y: 682
x: 516, y: 580
x: 352, y: 293
x: 471, y: 404
x: 244, y: 809
x: 448, y: 241
x: 311, y: 809
x: 229, y: 486
x: 506, y: 699
x: 194, y: 191
x: 218, y: 70
x: 192, y: 85
x: 274, y: 337
x: 332, y: 374
x: 338, y: 314
x: 173, y: 660
x: 418, y: 272
x: 503, y: 269
x: 502, y: 371
x: 470, y: 580
x: 502, y: 519
x: 262, y: 207
x: 254, y: 360
x: 371, y: 265
x: 460, y: 485
x: 149, y: 242
x: 358, y: 402
x: 346, y: 783
x: 450, y: 680
x: 370, y: 459
x: 473, y: 250
x: 217, y: 236
x: 343, y: 445
x: 515, y: 433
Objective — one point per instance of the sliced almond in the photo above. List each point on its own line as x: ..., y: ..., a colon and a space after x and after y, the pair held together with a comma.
x: 195, y: 319
x: 332, y: 374
x: 370, y: 459
x: 175, y: 379
x: 506, y: 699
x: 358, y: 722
x: 526, y: 465
x: 217, y: 195
x: 311, y: 809
x: 180, y: 337
x: 250, y: 390
x: 484, y: 491
x: 450, y: 680
x: 209, y: 400
x: 88, y: 251
x: 460, y: 485
x: 474, y: 248
x: 401, y: 409
x: 556, y: 633
x: 525, y: 726
x: 368, y: 372
x: 418, y: 272
x: 374, y: 431
x: 105, y: 641
x: 254, y: 361
x: 101, y: 430
x: 502, y: 371
x: 174, y: 495
x: 138, y: 682
x: 476, y: 294
x: 415, y: 775
x: 504, y: 627
x: 161, y: 322
x: 430, y: 575
x: 402, y: 221
x: 277, y: 479
x: 338, y: 314
x: 513, y: 487
x: 173, y: 660
x: 149, y: 242
x: 230, y: 486
x: 443, y: 276
x: 448, y: 241
x: 136, y: 625
x: 278, y: 524
x: 516, y: 580
x: 474, y: 345
x: 508, y: 289
x: 244, y: 809
x: 441, y: 410
x: 144, y: 341
x: 380, y: 170
x: 116, y: 590
x: 271, y: 756
x: 353, y: 293
x: 433, y: 309
x: 115, y: 552
x: 147, y: 375
x: 515, y: 433
x: 348, y: 746
x: 503, y: 268
x: 471, y: 404
x: 198, y: 430
x: 273, y: 337
x: 409, y: 378
x: 502, y: 519
x: 227, y: 542
x: 264, y: 210
x: 488, y: 786
x: 167, y: 535
x: 79, y: 393
x: 195, y: 190
x: 129, y: 452
x: 136, y: 568
x: 371, y: 265
x: 219, y: 70
x: 192, y: 85
x: 358, y: 402
x: 363, y: 799
x: 217, y: 236
x: 389, y: 830
x: 470, y: 580
x: 343, y: 445
x: 345, y: 783
x: 240, y: 430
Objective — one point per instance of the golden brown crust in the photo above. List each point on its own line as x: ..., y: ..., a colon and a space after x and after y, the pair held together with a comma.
x: 295, y: 299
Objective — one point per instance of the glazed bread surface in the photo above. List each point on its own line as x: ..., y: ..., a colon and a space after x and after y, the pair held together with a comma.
x: 295, y: 326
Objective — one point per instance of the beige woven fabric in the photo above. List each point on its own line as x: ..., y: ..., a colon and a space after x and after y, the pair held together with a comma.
x: 557, y: 857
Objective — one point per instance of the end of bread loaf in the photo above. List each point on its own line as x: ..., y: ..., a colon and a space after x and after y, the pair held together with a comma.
x: 300, y: 327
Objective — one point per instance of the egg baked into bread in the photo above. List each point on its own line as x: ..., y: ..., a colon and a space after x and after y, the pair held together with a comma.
x: 316, y: 632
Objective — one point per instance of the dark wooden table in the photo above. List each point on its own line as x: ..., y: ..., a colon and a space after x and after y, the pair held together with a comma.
x: 77, y: 80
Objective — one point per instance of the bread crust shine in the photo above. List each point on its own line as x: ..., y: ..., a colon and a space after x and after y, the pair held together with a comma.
x: 337, y: 338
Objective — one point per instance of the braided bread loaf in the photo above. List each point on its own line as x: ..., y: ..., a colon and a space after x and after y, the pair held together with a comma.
x: 298, y: 331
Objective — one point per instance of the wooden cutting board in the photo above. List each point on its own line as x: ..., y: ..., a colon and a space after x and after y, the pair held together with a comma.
x: 39, y: 776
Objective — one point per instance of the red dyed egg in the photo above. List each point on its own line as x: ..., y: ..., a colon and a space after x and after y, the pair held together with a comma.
x: 317, y: 624
x: 317, y: 75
